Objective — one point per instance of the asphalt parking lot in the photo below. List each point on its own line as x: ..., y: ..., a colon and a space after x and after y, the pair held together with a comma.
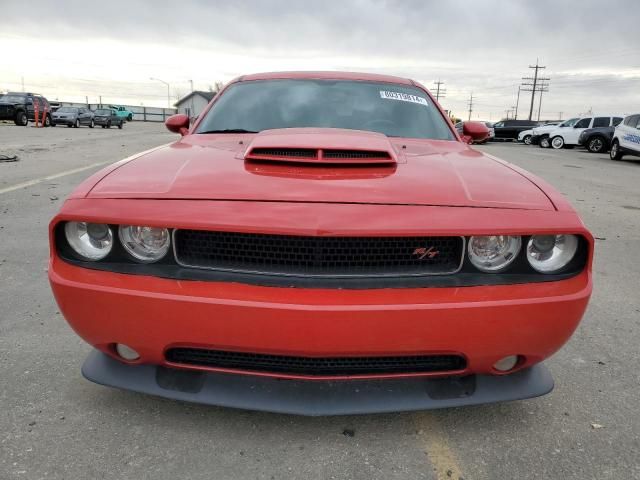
x: 54, y: 424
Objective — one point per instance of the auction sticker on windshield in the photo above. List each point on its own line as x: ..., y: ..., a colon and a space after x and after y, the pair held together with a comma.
x: 403, y: 97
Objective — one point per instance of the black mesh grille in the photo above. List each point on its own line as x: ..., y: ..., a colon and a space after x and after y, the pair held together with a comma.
x: 258, y: 362
x: 355, y: 154
x: 285, y: 152
x: 318, y: 256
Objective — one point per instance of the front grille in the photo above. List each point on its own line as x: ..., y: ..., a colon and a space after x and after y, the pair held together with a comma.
x: 318, y: 256
x: 258, y: 362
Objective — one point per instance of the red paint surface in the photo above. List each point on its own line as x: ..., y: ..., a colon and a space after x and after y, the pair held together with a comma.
x: 434, y: 188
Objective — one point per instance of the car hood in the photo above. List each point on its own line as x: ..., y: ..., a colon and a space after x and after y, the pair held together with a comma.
x: 421, y: 172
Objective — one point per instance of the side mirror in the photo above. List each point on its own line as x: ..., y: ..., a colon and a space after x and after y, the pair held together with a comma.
x: 476, y: 131
x: 178, y: 123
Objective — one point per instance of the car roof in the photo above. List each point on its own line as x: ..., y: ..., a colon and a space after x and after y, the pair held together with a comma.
x: 325, y: 75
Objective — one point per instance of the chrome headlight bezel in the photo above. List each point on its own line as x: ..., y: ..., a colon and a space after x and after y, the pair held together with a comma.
x: 506, y: 249
x: 554, y: 256
x: 139, y: 242
x: 91, y: 241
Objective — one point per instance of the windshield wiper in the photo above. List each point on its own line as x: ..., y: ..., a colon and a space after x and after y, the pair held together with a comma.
x: 230, y: 130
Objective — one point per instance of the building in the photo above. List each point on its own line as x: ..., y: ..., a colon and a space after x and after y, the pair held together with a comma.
x: 194, y: 103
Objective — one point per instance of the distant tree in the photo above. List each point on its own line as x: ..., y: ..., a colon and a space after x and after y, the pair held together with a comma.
x: 216, y: 87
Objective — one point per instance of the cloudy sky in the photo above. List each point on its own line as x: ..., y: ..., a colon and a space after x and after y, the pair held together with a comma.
x: 70, y: 49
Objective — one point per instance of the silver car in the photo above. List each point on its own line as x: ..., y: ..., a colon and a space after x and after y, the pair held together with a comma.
x: 72, y: 117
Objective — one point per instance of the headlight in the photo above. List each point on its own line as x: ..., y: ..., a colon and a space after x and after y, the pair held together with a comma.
x: 145, y: 244
x: 92, y: 241
x: 551, y: 253
x: 493, y: 253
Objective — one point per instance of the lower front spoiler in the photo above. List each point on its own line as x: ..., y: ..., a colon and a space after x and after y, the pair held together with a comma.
x: 315, y: 398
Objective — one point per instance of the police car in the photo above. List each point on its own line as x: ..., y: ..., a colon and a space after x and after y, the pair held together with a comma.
x: 626, y: 138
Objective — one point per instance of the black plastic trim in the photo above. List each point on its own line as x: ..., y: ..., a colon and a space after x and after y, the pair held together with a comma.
x: 315, y: 366
x: 519, y: 272
x: 317, y: 397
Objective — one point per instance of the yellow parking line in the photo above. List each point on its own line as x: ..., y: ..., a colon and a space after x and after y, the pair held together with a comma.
x: 441, y: 456
x: 36, y: 181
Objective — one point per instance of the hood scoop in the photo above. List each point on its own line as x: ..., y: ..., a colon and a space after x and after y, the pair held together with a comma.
x: 326, y: 146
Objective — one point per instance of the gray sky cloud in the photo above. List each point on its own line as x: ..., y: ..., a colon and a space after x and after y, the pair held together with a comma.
x: 482, y: 47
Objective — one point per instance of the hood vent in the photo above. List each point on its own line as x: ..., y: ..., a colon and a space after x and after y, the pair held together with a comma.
x: 320, y: 156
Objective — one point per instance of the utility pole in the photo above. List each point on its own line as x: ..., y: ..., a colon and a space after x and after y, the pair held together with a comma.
x: 100, y: 101
x: 515, y: 117
x: 440, y: 93
x: 470, y: 105
x: 191, y: 82
x: 534, y: 85
x: 543, y: 88
x: 22, y: 83
x: 559, y: 115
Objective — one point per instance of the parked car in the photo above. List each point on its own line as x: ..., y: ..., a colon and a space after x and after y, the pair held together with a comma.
x: 122, y: 112
x: 527, y: 136
x: 626, y: 138
x: 491, y: 134
x: 106, y: 117
x: 541, y: 134
x: 360, y: 250
x: 19, y: 107
x: 597, y: 140
x: 73, y: 117
x: 509, y: 129
x: 568, y: 137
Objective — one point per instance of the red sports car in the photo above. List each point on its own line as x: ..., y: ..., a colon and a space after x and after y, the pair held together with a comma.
x: 321, y: 243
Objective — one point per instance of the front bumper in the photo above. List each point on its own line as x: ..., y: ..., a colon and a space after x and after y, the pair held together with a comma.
x: 484, y: 323
x: 63, y: 121
x: 317, y: 398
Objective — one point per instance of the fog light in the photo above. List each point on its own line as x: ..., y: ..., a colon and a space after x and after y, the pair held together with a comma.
x: 126, y: 352
x: 505, y: 364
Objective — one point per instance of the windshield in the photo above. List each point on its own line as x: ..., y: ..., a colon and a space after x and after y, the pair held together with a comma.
x: 67, y: 110
x: 12, y: 98
x: 392, y: 109
x: 103, y: 111
x: 569, y: 123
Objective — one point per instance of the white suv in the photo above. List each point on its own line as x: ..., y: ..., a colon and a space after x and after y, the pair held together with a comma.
x: 626, y: 138
x: 568, y: 137
x: 526, y: 136
x: 541, y: 134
